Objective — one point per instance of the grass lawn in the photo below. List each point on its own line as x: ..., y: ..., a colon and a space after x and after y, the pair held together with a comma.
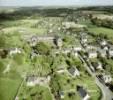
x: 8, y: 88
x: 98, y: 30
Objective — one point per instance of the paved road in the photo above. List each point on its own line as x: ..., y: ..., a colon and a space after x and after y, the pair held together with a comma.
x: 106, y: 93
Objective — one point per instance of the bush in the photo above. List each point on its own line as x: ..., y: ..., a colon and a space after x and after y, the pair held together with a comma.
x: 42, y: 48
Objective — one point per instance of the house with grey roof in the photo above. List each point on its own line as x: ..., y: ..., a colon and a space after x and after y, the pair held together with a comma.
x: 106, y: 78
x: 102, y: 53
x: 73, y: 71
x: 61, y: 94
x: 110, y: 51
x: 97, y: 65
x: 83, y: 93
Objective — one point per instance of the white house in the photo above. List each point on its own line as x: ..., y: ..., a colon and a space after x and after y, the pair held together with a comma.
x: 92, y: 54
x: 15, y: 51
x: 102, y: 52
x: 75, y: 53
x: 107, y: 78
x: 77, y: 48
x: 74, y: 71
x: 61, y: 94
x: 103, y: 42
x: 110, y: 52
x: 34, y: 80
x: 61, y: 70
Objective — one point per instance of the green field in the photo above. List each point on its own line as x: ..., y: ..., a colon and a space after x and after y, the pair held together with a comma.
x: 8, y: 88
x: 98, y: 30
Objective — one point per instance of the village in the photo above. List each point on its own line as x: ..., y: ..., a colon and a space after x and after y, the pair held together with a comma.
x: 65, y: 61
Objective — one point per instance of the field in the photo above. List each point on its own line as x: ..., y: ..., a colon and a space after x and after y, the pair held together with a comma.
x: 103, y: 30
x: 9, y: 88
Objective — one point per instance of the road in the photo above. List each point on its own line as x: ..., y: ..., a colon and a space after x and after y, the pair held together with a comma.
x: 106, y: 93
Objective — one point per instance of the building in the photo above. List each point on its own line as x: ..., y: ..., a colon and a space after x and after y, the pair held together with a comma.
x: 61, y: 70
x: 34, y: 80
x: 92, y: 53
x: 103, y: 43
x: 97, y: 65
x: 33, y: 54
x: 106, y: 78
x: 102, y: 52
x: 110, y: 51
x: 61, y: 94
x: 68, y: 25
x: 89, y: 47
x: 77, y: 48
x: 75, y: 53
x: 73, y: 71
x: 58, y: 42
x: 15, y: 51
x: 83, y: 93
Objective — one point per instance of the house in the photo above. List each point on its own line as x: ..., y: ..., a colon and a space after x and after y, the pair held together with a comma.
x: 97, y: 65
x: 89, y: 47
x: 66, y: 50
x: 83, y: 38
x: 106, y: 78
x: 33, y: 40
x: 103, y: 42
x: 75, y: 53
x: 15, y: 51
x: 73, y: 71
x: 33, y: 54
x: 102, y: 52
x: 68, y: 25
x: 58, y: 42
x: 34, y: 80
x: 92, y: 53
x: 110, y: 51
x: 61, y: 94
x: 77, y: 48
x: 83, y: 93
x: 61, y: 70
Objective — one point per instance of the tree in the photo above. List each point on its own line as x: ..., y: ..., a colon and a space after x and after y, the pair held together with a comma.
x: 2, y: 41
x: 42, y: 48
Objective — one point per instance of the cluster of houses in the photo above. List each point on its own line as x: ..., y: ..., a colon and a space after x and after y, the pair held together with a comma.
x: 103, y: 49
x: 68, y: 25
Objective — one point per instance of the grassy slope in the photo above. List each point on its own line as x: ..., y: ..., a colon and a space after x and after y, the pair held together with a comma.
x: 103, y: 30
x: 9, y: 88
